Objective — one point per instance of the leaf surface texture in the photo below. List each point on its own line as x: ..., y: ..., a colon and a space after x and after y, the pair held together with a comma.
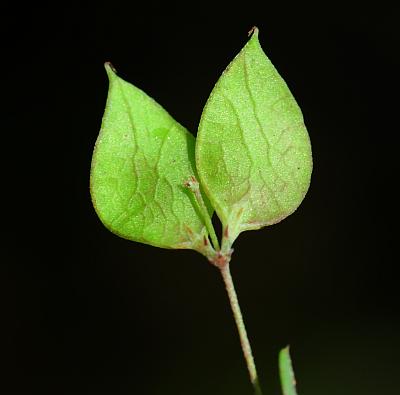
x: 141, y: 160
x: 253, y: 152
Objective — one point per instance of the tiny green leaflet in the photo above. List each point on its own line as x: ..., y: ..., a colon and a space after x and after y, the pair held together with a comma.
x: 253, y: 152
x: 288, y: 381
x: 140, y: 162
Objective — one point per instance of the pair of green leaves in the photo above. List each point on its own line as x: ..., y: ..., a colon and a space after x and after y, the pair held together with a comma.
x: 252, y: 159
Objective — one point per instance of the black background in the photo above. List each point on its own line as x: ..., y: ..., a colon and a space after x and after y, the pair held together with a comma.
x: 84, y: 312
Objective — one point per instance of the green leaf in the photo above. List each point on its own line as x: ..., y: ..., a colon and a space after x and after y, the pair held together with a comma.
x: 253, y: 153
x: 288, y: 381
x: 141, y: 161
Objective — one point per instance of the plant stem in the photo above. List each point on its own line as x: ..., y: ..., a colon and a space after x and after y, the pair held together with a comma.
x: 194, y: 186
x: 207, y: 220
x: 237, y: 314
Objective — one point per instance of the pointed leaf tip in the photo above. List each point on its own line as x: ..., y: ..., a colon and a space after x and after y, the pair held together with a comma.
x: 253, y: 32
x: 110, y: 69
x: 288, y: 381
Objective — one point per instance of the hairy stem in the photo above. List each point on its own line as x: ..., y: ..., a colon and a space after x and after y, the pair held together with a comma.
x: 237, y: 314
